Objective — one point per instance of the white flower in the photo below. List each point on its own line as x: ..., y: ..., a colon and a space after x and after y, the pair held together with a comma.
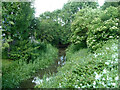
x: 95, y: 73
x: 99, y: 54
x: 110, y: 78
x: 107, y: 63
x: 104, y: 71
x: 83, y: 86
x: 47, y: 79
x: 107, y: 48
x: 113, y: 84
x: 116, y: 59
x: 110, y: 36
x: 107, y: 78
x: 112, y: 62
x: 97, y: 76
x: 114, y: 56
x: 59, y: 84
x: 116, y: 78
x: 116, y: 23
x: 95, y: 55
x: 103, y: 83
x: 103, y: 79
x: 94, y: 83
x: 76, y: 86
x: 88, y: 85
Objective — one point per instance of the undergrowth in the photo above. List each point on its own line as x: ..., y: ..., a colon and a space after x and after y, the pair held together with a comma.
x: 20, y: 70
x: 87, y: 70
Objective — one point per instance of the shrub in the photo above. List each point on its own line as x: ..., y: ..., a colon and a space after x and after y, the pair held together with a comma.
x: 95, y: 26
x: 80, y: 25
x: 26, y: 50
x: 19, y: 70
x: 103, y: 28
x: 87, y: 70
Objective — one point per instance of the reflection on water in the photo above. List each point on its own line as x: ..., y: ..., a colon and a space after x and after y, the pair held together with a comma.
x: 37, y: 77
x: 62, y: 60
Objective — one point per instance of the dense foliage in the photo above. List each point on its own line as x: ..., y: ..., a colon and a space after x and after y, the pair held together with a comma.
x: 16, y: 18
x: 20, y: 44
x: 29, y: 52
x: 27, y: 44
x: 87, y: 70
x: 16, y: 71
x: 95, y: 26
x: 55, y: 27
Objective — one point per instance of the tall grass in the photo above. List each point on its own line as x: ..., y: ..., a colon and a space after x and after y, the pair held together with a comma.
x: 17, y: 71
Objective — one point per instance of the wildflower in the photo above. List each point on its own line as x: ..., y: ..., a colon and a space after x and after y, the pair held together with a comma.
x: 47, y: 79
x: 88, y: 85
x: 76, y: 86
x: 113, y: 84
x: 116, y: 78
x: 83, y: 86
x: 103, y: 79
x: 59, y: 84
x: 110, y: 36
x: 94, y: 83
x: 107, y: 78
x: 107, y: 48
x: 110, y: 78
x: 103, y: 83
x: 114, y: 56
x: 95, y: 73
x: 104, y: 71
x: 97, y: 76
x: 107, y: 63
x: 95, y: 55
x: 116, y: 23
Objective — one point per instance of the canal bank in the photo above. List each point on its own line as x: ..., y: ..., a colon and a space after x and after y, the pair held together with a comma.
x: 37, y: 77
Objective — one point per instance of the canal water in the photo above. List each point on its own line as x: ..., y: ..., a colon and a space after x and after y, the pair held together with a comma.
x: 37, y: 77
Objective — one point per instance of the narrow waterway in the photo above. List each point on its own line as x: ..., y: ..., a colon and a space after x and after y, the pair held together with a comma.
x: 30, y: 83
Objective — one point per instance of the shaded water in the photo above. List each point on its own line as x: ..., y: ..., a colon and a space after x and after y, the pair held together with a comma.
x: 30, y: 83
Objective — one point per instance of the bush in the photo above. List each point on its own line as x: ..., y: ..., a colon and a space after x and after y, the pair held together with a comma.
x: 87, y: 70
x: 26, y: 50
x: 19, y: 70
x: 95, y: 26
x: 103, y: 28
x: 80, y: 25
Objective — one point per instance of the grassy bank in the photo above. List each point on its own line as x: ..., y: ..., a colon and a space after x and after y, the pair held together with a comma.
x: 87, y: 70
x: 16, y: 71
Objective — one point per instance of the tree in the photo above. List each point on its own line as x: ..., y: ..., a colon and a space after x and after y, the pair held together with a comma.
x: 16, y: 19
x: 93, y: 27
x: 108, y: 4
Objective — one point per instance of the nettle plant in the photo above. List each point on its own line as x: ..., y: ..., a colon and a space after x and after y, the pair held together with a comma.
x: 95, y: 26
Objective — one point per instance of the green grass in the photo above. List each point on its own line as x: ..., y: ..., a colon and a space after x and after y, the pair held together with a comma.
x: 16, y: 71
x: 87, y: 70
